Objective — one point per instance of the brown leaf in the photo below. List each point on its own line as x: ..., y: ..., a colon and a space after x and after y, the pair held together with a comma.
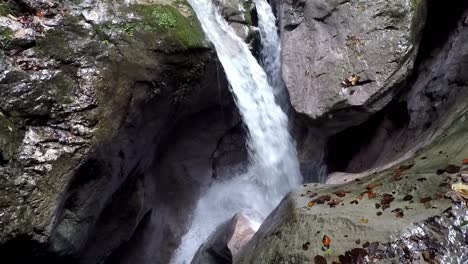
x: 452, y: 169
x: 334, y: 202
x: 397, y: 175
x: 39, y: 14
x: 387, y: 199
x: 465, y: 161
x: 371, y: 194
x: 398, y: 212
x: 341, y: 193
x: 326, y: 241
x: 322, y: 199
x: 310, y: 204
x: 425, y: 200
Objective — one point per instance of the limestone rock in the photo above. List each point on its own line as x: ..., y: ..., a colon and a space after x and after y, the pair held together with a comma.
x: 225, y: 242
x: 325, y: 42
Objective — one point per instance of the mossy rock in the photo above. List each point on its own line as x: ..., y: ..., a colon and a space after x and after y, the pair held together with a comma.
x: 167, y: 22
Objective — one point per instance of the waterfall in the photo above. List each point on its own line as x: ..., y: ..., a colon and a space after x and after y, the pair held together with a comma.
x: 274, y: 168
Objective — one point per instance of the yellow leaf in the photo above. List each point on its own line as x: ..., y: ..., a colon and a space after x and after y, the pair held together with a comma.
x: 364, y: 221
x: 461, y: 189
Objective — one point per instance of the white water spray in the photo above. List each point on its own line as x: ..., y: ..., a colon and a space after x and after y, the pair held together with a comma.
x: 274, y: 168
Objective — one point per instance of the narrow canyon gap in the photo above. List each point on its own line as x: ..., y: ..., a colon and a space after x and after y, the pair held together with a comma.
x: 274, y: 168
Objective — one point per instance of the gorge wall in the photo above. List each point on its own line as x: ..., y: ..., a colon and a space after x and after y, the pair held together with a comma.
x: 115, y: 116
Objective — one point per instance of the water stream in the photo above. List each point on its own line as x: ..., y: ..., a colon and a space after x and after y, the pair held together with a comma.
x: 274, y: 168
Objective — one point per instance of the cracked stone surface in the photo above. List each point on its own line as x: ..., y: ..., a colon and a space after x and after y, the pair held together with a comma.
x: 325, y: 42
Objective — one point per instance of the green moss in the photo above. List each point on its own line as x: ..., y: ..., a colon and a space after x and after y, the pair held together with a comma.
x: 248, y: 14
x: 168, y: 22
x: 4, y: 10
x: 6, y: 35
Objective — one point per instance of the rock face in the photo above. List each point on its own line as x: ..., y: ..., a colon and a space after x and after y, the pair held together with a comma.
x: 325, y: 42
x: 95, y: 105
x: 402, y: 210
x: 224, y: 244
x: 397, y: 216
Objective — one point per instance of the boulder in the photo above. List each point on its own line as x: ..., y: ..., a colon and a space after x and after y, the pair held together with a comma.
x: 325, y: 43
x: 224, y: 244
x: 397, y: 215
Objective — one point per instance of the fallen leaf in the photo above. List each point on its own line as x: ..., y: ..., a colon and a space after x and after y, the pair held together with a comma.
x: 387, y: 199
x: 425, y: 200
x: 454, y: 196
x: 326, y: 241
x: 397, y: 175
x: 322, y: 199
x: 310, y: 204
x: 465, y: 161
x: 359, y: 197
x: 341, y: 193
x: 364, y: 221
x: 451, y: 169
x: 334, y: 202
x: 371, y: 194
x: 354, y: 202
x: 39, y: 14
x: 305, y: 246
x: 461, y: 189
x: 398, y: 212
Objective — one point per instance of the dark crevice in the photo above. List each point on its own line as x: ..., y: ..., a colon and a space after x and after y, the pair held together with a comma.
x: 442, y: 19
x: 344, y: 146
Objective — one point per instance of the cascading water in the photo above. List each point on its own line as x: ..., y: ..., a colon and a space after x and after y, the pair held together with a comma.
x: 274, y: 168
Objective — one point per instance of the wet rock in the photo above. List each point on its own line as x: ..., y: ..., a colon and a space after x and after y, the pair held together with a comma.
x: 395, y: 230
x: 225, y: 242
x: 92, y: 95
